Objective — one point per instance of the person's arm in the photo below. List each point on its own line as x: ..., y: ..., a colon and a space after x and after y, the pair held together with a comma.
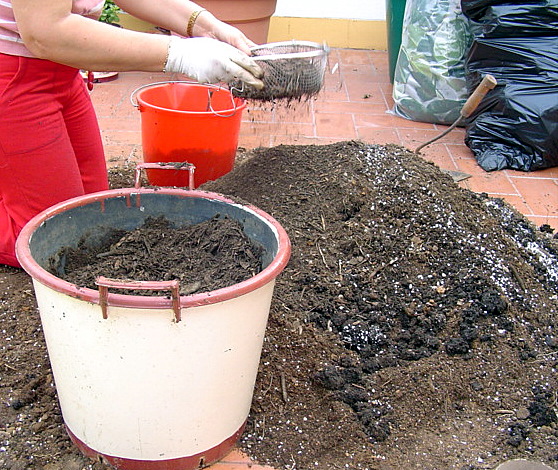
x: 51, y: 31
x: 175, y: 14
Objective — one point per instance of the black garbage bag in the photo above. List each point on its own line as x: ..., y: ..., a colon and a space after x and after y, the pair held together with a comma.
x: 499, y: 18
x: 516, y: 124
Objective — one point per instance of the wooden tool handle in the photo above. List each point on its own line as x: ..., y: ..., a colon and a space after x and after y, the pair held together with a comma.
x: 488, y: 83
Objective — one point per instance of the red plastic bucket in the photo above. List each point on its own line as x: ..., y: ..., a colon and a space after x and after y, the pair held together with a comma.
x: 187, y: 122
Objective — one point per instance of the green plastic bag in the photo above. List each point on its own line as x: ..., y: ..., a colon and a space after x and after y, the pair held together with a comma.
x: 429, y: 81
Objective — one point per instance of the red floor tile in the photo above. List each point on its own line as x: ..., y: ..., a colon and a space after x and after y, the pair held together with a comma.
x: 493, y: 184
x: 439, y: 155
x: 391, y: 121
x: 351, y: 57
x: 459, y: 151
x: 334, y: 125
x: 378, y: 136
x: 347, y: 107
x: 540, y: 194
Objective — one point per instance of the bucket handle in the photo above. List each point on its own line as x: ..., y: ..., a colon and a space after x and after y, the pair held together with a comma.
x: 105, y: 283
x: 135, y: 103
x: 210, y: 105
x: 166, y: 166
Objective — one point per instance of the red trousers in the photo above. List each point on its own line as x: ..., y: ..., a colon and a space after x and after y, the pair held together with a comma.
x: 50, y: 144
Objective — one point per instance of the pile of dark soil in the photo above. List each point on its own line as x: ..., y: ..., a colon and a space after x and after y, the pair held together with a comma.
x: 414, y: 327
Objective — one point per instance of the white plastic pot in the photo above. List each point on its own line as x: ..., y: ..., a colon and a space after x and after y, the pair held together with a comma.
x: 151, y: 382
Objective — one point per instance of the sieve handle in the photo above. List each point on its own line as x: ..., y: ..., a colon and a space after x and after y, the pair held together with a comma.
x: 166, y: 166
x: 104, y: 283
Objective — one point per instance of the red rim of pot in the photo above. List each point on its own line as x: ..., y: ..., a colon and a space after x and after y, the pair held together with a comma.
x: 39, y: 274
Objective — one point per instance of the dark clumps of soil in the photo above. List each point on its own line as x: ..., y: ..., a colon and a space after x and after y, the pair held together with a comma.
x: 413, y: 328
x: 204, y: 257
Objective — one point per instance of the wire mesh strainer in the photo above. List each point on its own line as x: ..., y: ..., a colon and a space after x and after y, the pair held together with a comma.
x: 292, y: 69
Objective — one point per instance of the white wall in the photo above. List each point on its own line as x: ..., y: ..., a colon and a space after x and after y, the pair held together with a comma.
x: 347, y: 9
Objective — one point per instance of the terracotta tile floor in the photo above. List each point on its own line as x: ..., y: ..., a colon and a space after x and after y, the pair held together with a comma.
x: 353, y: 105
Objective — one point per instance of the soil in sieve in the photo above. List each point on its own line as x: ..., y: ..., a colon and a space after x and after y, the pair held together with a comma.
x: 414, y: 326
x: 284, y: 80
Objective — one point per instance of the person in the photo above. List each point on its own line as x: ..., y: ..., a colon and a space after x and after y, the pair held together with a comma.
x: 50, y: 144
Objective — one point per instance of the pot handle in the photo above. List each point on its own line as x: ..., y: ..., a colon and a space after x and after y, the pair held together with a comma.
x: 105, y: 283
x: 166, y: 166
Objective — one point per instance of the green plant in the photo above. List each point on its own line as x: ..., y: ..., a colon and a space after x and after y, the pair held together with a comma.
x: 110, y: 12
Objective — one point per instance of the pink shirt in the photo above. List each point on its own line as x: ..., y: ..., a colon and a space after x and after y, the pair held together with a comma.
x: 10, y: 40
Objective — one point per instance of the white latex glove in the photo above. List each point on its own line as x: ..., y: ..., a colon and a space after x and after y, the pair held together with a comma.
x: 208, y: 60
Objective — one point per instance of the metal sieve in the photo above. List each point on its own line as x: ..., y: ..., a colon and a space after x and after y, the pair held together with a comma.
x: 292, y: 70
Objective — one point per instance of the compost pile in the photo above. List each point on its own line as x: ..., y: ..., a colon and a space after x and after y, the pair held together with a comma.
x: 414, y: 327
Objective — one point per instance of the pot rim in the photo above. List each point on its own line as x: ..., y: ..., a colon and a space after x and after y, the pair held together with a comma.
x: 39, y: 274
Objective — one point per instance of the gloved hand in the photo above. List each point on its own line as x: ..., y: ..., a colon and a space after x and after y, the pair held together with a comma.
x: 208, y: 60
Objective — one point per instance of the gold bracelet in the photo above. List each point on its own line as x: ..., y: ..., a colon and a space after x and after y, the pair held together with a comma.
x: 192, y: 21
